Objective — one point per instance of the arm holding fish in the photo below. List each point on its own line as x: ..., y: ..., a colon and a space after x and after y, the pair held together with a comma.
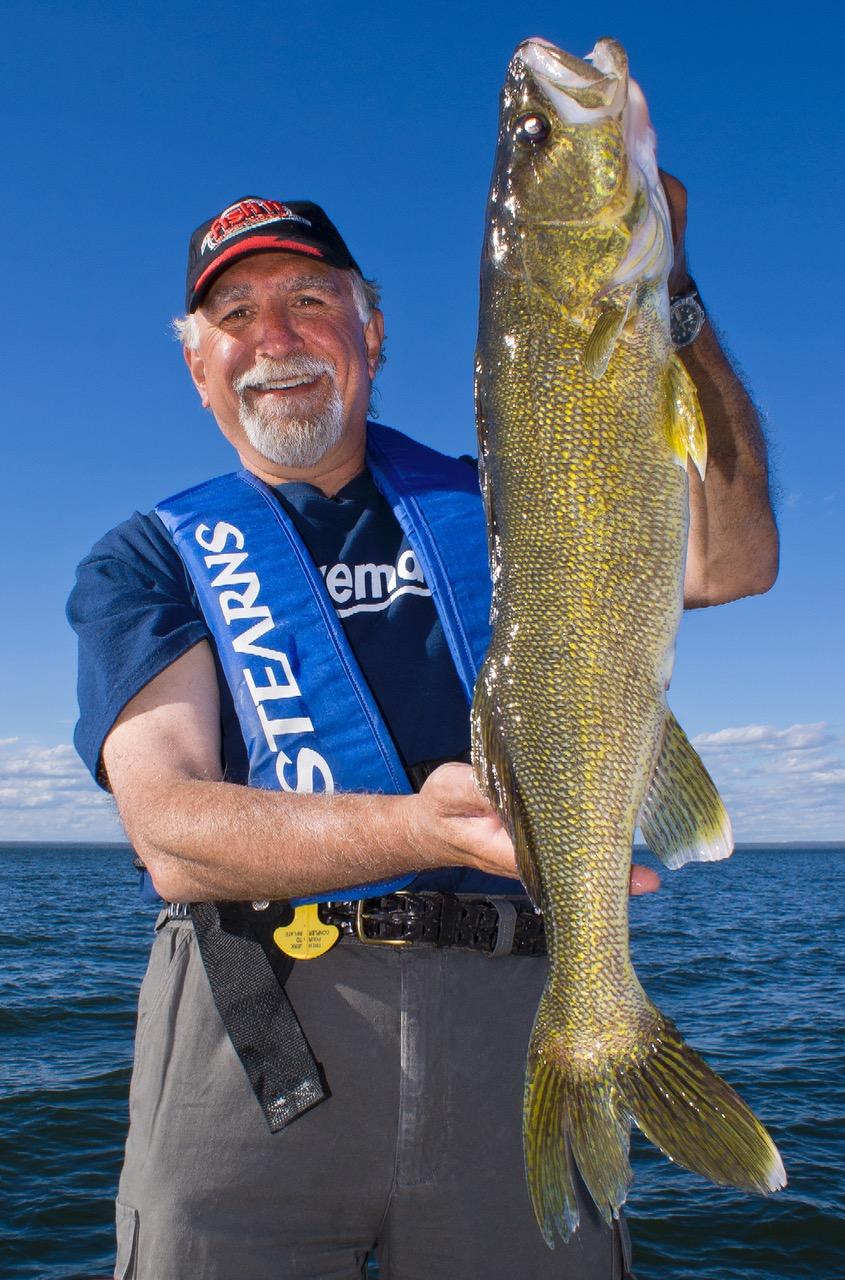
x: 203, y: 838
x: 733, y: 539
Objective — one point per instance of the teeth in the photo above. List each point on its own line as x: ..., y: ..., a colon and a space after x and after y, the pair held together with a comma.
x: 283, y: 386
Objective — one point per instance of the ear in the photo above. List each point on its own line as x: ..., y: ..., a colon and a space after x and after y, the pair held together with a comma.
x: 196, y: 365
x: 373, y: 339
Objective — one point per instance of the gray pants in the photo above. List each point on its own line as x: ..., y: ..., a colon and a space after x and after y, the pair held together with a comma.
x: 417, y: 1153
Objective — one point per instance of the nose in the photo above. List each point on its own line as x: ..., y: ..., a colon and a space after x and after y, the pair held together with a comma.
x: 277, y: 332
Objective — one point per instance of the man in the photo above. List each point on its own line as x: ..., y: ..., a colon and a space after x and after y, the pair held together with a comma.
x: 310, y: 627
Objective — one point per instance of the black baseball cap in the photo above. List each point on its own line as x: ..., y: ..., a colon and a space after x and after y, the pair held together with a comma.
x: 255, y: 225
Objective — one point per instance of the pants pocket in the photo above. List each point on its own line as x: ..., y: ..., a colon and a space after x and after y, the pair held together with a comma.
x: 126, y: 1222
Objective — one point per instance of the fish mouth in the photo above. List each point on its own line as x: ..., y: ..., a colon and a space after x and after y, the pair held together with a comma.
x: 580, y: 89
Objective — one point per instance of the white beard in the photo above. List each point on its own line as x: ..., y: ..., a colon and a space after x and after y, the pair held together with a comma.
x: 272, y: 427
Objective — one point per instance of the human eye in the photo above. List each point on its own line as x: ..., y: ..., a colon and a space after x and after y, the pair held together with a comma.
x: 309, y: 300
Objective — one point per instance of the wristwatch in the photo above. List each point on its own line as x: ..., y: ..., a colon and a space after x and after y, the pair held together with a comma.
x: 686, y: 316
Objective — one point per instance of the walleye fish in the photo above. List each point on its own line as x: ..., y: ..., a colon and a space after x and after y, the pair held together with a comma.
x: 586, y: 420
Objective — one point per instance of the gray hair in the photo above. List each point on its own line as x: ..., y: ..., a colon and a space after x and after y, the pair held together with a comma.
x: 366, y: 295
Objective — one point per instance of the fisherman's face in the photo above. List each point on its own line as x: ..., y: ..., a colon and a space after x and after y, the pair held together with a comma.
x: 285, y: 363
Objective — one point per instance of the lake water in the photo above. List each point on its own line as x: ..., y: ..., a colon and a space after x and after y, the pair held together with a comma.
x: 748, y: 957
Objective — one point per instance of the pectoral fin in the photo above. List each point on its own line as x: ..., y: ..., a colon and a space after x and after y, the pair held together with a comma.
x: 603, y: 339
x: 682, y: 817
x: 685, y: 426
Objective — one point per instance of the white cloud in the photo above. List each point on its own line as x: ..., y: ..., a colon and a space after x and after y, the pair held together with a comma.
x: 768, y: 736
x: 779, y: 784
x: 46, y: 793
x: 810, y: 761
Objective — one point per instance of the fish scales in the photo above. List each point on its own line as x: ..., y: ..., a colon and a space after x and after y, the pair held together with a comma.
x: 586, y: 420
x: 579, y: 689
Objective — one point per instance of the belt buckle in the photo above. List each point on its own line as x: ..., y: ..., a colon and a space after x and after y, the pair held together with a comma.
x: 377, y: 942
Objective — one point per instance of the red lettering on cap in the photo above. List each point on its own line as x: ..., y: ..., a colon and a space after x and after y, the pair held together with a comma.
x: 247, y: 215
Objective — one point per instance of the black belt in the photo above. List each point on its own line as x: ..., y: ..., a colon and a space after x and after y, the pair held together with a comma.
x: 499, y: 926
x: 247, y: 972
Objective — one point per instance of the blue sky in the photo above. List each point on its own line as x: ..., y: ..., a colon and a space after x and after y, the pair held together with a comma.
x: 127, y: 126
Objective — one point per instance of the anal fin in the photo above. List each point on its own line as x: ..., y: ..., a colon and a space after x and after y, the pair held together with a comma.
x: 682, y: 817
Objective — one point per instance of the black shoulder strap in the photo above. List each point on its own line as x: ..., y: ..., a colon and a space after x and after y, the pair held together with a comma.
x: 247, y: 973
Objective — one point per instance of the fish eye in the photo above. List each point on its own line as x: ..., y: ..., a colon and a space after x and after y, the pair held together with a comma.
x: 532, y: 128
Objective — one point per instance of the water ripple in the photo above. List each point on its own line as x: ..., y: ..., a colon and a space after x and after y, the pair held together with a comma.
x: 748, y: 956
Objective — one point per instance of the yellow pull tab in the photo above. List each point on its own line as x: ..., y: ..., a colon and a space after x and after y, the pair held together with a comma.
x: 306, y: 936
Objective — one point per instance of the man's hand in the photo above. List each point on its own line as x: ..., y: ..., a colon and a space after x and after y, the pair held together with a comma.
x: 452, y: 818
x: 451, y: 813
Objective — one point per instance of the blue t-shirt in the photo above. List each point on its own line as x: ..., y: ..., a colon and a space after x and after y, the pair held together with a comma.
x: 135, y: 611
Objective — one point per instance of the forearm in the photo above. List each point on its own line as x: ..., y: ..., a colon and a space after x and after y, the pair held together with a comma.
x: 733, y: 548
x: 216, y: 840
x: 203, y: 838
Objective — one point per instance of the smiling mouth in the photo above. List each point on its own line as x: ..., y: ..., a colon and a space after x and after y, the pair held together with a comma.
x: 284, y: 384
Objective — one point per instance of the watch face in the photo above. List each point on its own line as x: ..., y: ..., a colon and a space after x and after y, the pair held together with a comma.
x: 686, y: 319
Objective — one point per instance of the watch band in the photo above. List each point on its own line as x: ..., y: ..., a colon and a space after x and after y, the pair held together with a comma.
x: 686, y: 316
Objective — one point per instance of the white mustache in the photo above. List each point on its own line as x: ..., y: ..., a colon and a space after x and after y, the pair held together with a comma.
x: 291, y: 372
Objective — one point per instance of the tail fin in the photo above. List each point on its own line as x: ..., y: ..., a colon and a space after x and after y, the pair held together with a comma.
x: 579, y: 1117
x: 568, y: 1122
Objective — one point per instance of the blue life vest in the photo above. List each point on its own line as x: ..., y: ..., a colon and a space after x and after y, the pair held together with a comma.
x: 309, y: 720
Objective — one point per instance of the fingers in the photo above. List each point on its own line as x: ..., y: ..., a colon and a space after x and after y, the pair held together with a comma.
x: 643, y: 880
x: 454, y: 789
